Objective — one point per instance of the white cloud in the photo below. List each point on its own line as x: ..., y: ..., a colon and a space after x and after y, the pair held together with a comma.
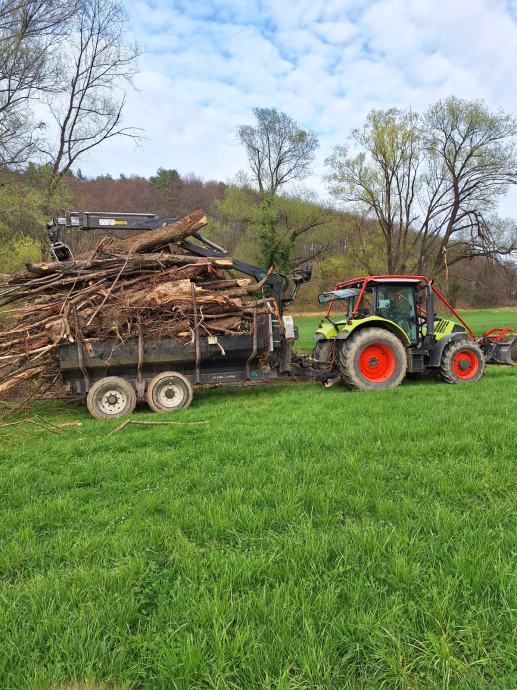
x: 325, y: 62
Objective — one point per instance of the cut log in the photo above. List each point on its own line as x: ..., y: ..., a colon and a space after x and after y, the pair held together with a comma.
x: 153, y: 240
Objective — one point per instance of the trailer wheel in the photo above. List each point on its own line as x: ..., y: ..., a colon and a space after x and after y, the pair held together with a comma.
x: 110, y: 398
x: 169, y: 391
x: 462, y: 362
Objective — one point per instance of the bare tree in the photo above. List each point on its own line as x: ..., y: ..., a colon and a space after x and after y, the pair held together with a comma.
x: 472, y: 160
x: 90, y: 109
x: 30, y: 31
x: 279, y: 151
x: 432, y: 183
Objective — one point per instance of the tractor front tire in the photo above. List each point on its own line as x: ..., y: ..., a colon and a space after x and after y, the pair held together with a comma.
x: 462, y: 362
x: 372, y: 359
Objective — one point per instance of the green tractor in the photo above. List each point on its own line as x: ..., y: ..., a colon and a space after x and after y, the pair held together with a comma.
x: 387, y: 326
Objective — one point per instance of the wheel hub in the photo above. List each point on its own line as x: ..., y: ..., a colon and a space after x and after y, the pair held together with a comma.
x: 465, y: 364
x: 377, y: 362
x: 168, y: 394
x: 112, y: 401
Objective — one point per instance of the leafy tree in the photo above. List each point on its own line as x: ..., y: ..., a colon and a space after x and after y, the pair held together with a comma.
x: 453, y: 291
x: 279, y: 152
x: 166, y: 180
x: 287, y: 227
x: 22, y: 215
x: 431, y: 183
x: 15, y: 252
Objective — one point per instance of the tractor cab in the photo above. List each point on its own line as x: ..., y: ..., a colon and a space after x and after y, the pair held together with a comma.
x: 378, y: 328
x: 395, y: 302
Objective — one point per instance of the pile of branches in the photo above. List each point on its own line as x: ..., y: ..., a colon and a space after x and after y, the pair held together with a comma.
x: 144, y: 285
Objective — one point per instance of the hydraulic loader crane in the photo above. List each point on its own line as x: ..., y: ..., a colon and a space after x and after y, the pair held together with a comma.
x: 113, y: 376
x: 111, y: 222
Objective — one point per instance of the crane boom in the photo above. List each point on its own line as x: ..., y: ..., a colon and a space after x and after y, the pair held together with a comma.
x: 98, y: 220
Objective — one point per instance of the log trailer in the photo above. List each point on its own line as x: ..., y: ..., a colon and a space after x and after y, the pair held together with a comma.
x: 113, y: 376
x: 386, y: 327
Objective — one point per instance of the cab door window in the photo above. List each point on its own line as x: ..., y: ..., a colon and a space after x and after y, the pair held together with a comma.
x: 397, y: 303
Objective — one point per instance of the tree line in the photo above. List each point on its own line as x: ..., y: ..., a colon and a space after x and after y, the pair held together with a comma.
x: 430, y: 183
x: 409, y: 192
x: 337, y: 241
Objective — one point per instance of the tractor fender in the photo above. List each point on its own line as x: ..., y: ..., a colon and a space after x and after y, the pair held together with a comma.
x: 440, y: 345
x: 377, y: 323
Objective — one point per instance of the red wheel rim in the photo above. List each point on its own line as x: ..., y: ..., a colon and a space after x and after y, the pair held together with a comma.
x: 465, y: 364
x: 377, y: 362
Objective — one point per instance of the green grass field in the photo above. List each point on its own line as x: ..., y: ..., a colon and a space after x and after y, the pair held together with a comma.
x: 304, y: 538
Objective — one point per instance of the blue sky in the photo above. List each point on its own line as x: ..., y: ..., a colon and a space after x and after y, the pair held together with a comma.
x: 324, y: 62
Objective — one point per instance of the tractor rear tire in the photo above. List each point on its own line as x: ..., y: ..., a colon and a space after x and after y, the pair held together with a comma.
x: 462, y: 362
x: 111, y: 398
x: 169, y: 391
x: 372, y: 359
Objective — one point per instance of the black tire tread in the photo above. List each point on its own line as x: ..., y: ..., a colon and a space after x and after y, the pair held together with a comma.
x: 355, y: 343
x: 321, y: 355
x: 446, y: 368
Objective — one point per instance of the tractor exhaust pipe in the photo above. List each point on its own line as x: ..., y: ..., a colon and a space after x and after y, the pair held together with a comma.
x: 502, y: 352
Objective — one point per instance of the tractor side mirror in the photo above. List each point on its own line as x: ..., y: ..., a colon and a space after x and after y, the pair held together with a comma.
x: 326, y: 297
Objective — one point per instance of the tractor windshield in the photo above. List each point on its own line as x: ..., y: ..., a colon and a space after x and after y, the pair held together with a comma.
x: 341, y: 302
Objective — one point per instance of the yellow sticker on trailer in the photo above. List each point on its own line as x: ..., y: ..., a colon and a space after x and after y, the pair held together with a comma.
x: 111, y: 221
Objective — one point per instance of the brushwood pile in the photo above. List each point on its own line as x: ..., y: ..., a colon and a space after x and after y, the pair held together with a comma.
x: 146, y: 285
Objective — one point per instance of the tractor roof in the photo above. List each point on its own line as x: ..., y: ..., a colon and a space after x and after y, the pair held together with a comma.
x: 338, y: 294
x: 384, y: 280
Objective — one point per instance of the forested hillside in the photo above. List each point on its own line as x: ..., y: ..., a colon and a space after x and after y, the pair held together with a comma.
x: 412, y: 192
x: 339, y: 244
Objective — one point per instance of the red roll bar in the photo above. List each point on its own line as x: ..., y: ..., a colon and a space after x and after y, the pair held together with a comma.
x: 368, y: 279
